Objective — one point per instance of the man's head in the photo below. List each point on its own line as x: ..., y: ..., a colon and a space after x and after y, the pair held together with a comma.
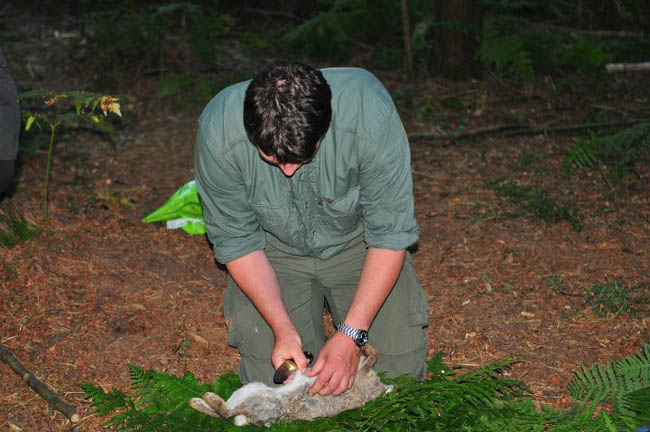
x: 287, y: 111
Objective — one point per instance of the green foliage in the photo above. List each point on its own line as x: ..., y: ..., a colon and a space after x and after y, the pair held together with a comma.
x: 614, y: 154
x: 585, y: 54
x: 49, y: 110
x: 340, y: 26
x: 172, y: 84
x: 385, y: 57
x: 443, y: 402
x: 423, y: 111
x: 15, y: 229
x: 533, y: 203
x: 453, y: 103
x: 506, y: 53
x: 624, y: 385
x: 32, y: 141
x: 519, y: 39
x: 161, y: 37
x: 159, y: 402
x: 613, y: 298
x: 187, y: 90
x: 53, y: 110
x: 478, y: 400
x: 328, y: 36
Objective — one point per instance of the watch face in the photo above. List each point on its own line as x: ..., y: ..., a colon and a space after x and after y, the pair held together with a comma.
x: 362, y: 338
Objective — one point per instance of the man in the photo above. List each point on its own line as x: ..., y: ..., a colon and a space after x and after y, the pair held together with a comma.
x: 305, y: 180
x: 9, y: 124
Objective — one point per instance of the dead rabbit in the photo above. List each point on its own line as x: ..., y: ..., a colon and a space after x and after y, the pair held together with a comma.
x: 259, y: 404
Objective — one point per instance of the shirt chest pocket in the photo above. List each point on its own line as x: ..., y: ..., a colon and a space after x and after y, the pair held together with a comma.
x: 278, y: 219
x: 341, y: 215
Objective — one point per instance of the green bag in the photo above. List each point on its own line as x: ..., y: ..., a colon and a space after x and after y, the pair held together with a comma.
x: 182, y: 210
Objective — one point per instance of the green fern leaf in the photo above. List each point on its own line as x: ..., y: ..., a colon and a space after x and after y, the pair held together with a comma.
x: 616, y: 151
x: 506, y: 53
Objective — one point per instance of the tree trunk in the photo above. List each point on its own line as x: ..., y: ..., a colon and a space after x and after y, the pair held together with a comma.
x: 459, y: 27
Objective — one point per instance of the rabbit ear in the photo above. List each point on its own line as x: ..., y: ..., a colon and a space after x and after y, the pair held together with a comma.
x: 201, y: 406
x: 217, y: 404
x: 369, y: 358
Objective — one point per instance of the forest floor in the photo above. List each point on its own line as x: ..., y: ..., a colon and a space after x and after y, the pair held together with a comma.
x: 99, y: 289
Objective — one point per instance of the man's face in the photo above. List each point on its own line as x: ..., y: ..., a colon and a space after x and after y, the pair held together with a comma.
x: 288, y: 169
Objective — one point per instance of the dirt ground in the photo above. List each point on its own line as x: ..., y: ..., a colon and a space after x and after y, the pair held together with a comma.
x: 100, y: 289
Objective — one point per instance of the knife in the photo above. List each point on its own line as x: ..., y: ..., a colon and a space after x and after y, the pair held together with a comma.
x: 287, y: 369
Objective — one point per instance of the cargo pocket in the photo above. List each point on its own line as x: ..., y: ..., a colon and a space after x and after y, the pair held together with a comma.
x: 418, y: 307
x: 248, y: 331
x: 234, y: 338
x: 398, y: 328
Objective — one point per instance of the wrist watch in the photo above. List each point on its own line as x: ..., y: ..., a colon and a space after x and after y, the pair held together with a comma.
x: 360, y: 337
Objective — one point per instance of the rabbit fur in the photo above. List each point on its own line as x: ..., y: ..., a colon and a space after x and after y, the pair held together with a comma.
x: 256, y: 403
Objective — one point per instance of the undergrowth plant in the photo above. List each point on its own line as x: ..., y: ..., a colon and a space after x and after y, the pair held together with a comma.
x: 132, y: 39
x: 622, y: 386
x: 338, y: 27
x: 530, y: 38
x: 522, y: 50
x: 612, y: 155
x: 613, y: 397
x: 533, y: 203
x: 55, y: 110
x: 186, y: 90
x: 15, y: 229
x: 613, y: 298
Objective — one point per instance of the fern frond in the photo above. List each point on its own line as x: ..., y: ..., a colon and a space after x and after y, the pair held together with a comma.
x: 506, y: 53
x: 105, y: 402
x: 478, y: 400
x: 622, y: 384
x: 638, y: 402
x: 616, y: 151
x: 636, y: 369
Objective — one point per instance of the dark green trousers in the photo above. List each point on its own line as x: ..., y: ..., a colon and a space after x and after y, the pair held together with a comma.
x: 398, y: 332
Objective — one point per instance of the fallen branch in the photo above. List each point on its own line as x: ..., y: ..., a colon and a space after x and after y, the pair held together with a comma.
x: 56, y: 403
x: 512, y: 130
x: 627, y: 67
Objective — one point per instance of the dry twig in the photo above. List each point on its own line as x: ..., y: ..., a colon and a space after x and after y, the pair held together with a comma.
x: 512, y: 130
x: 56, y: 403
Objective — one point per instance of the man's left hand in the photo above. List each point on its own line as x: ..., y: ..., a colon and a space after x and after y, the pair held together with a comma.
x: 336, y: 366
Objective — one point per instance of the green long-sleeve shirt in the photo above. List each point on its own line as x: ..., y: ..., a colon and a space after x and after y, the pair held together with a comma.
x: 359, y: 182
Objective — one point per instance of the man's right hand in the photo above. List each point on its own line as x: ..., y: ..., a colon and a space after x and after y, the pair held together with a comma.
x: 288, y: 346
x: 255, y: 276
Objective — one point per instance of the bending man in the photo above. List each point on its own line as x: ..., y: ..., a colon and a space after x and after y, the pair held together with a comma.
x: 305, y: 180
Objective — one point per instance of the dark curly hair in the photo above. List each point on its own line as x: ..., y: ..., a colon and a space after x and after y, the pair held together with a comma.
x: 287, y: 110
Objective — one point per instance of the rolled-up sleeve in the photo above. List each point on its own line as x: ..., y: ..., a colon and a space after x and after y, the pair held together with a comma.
x: 387, y: 186
x: 231, y: 225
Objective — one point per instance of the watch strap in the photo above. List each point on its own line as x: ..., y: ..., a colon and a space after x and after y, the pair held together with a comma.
x: 360, y: 337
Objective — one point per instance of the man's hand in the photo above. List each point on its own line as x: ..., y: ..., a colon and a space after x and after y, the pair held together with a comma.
x: 256, y: 278
x: 336, y: 366
x: 288, y: 346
